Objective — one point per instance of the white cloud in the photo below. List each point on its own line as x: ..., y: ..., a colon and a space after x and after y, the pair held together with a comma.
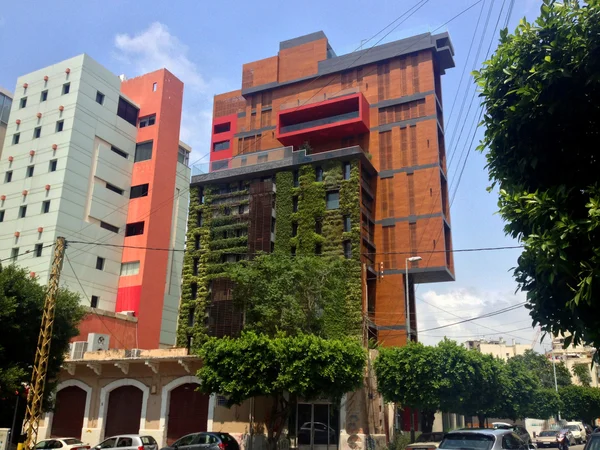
x: 155, y: 48
x: 440, y: 309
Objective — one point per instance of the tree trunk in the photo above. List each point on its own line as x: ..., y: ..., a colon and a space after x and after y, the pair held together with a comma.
x: 481, y: 419
x: 427, y: 418
x: 277, y: 420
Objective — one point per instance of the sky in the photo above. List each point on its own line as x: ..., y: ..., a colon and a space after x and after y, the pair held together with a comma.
x: 205, y: 45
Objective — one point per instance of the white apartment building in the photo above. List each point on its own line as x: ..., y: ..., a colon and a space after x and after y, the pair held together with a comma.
x: 498, y: 348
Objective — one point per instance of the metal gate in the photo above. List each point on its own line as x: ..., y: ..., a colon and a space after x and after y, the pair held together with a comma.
x: 318, y: 426
x: 188, y: 412
x: 124, y: 411
x: 68, y: 412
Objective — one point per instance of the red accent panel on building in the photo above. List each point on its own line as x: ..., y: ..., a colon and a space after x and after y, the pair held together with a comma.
x: 221, y: 123
x: 329, y: 119
x: 122, y: 332
x: 128, y: 299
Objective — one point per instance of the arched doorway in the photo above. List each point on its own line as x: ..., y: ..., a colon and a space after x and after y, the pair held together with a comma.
x: 124, y: 411
x: 187, y: 413
x: 69, y: 412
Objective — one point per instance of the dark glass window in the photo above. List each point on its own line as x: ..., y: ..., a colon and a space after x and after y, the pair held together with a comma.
x: 147, y: 121
x: 347, y: 249
x: 119, y: 152
x: 134, y: 229
x: 112, y: 187
x: 37, y: 132
x: 16, y: 138
x: 38, y: 250
x: 141, y: 190
x: 99, y: 263
x: 333, y: 200
x: 347, y: 223
x: 99, y: 97
x: 222, y: 128
x: 294, y: 229
x: 66, y: 88
x: 22, y: 211
x: 143, y: 151
x: 2, y: 216
x: 295, y: 204
x: 220, y: 146
x: 127, y: 111
x: 8, y: 176
x: 45, y: 206
x: 23, y: 102
x: 44, y: 96
x: 319, y: 173
x: 296, y: 178
x: 319, y: 226
x: 109, y: 227
x: 60, y: 125
x: 52, y: 165
x: 346, y: 171
x: 94, y: 303
x: 29, y: 173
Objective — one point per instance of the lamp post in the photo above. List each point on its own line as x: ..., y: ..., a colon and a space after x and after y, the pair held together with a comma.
x: 408, y: 330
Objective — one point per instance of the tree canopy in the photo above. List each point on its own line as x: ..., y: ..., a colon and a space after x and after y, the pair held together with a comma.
x: 580, y: 403
x: 542, y: 368
x: 21, y: 304
x: 302, y: 366
x: 582, y: 372
x: 541, y: 94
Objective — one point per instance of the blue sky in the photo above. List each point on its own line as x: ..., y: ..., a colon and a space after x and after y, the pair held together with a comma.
x: 206, y: 43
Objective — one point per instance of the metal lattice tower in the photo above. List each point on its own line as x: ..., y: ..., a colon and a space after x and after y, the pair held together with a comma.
x: 42, y: 353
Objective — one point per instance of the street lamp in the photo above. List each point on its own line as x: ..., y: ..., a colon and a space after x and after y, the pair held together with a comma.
x: 408, y: 330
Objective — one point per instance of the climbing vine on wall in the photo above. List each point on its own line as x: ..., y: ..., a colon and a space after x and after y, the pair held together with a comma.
x: 284, y: 182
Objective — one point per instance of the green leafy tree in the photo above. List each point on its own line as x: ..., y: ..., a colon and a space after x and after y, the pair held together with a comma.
x: 21, y: 304
x: 580, y: 403
x: 545, y: 404
x: 520, y: 389
x: 542, y: 368
x: 582, y: 372
x: 291, y: 294
x: 541, y: 94
x: 410, y: 377
x: 299, y: 366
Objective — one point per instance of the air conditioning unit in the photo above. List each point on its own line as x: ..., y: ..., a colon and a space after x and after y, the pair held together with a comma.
x: 77, y: 349
x: 128, y: 313
x: 97, y: 341
x: 133, y: 353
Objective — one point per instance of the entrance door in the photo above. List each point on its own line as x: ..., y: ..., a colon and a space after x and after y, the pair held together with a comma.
x: 69, y: 412
x: 188, y: 412
x: 124, y: 411
x: 318, y: 426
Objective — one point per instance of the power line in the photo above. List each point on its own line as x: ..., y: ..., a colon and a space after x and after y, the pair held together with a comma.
x: 483, y: 316
x: 27, y: 252
x: 476, y: 335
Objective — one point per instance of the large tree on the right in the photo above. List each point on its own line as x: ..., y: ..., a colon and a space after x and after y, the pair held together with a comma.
x: 541, y: 94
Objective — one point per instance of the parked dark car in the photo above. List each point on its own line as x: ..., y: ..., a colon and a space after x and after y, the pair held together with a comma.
x: 205, y: 441
x: 593, y: 442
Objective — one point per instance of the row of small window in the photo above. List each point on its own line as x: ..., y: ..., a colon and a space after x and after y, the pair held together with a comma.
x: 141, y: 190
x: 319, y: 249
x: 143, y: 151
x: 127, y: 269
x: 318, y: 226
x: 23, y: 210
x: 66, y: 88
x: 332, y: 201
x: 131, y: 229
x: 8, y: 175
x: 319, y: 173
x: 37, y: 252
x: 37, y: 132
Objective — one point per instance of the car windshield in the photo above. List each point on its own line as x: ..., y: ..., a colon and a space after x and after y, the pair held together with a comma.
x: 573, y: 427
x: 548, y: 433
x: 72, y: 441
x: 468, y: 440
x: 594, y: 443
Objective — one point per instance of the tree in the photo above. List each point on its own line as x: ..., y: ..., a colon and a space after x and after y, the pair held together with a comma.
x: 302, y: 294
x: 299, y: 366
x: 21, y: 303
x: 582, y: 372
x: 541, y: 94
x: 410, y: 377
x: 521, y: 389
x: 580, y: 403
x: 542, y: 368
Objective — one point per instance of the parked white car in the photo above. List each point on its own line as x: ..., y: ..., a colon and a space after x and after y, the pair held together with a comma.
x: 61, y: 443
x: 578, y: 431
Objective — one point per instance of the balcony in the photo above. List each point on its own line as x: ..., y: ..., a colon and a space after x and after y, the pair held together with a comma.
x: 330, y: 119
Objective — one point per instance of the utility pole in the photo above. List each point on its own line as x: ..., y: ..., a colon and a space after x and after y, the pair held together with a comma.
x: 365, y: 307
x: 555, y: 380
x: 42, y: 353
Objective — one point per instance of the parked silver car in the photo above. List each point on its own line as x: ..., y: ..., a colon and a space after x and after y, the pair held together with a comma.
x: 128, y: 442
x: 483, y: 439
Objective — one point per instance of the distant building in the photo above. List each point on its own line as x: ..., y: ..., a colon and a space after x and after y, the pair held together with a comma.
x: 573, y: 355
x: 499, y: 348
x: 5, y: 105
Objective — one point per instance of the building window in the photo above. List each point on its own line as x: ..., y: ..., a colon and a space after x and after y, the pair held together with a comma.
x: 14, y: 254
x: 332, y: 200
x: 147, y: 121
x: 38, y: 250
x: 197, y: 242
x: 222, y: 128
x: 217, y: 146
x: 200, y: 219
x: 296, y: 178
x: 318, y: 249
x: 134, y: 229
x: 295, y: 204
x: 346, y: 171
x: 119, y: 152
x: 29, y: 172
x: 16, y: 138
x: 37, y: 132
x: 99, y: 97
x: 143, y: 151
x: 154, y: 87
x: 127, y: 111
x: 319, y: 173
x: 273, y: 223
x: 44, y: 96
x: 66, y: 88
x: 201, y: 195
x: 52, y: 165
x: 141, y: 190
x: 45, y: 206
x: 99, y: 263
x: 109, y: 227
x: 242, y: 209
x: 23, y: 102
x: 294, y: 229
x: 60, y: 126
x: 220, y: 165
x: 347, y: 249
x: 130, y: 268
x: 183, y: 156
x: 94, y: 301
x: 2, y: 216
x: 8, y: 176
x: 347, y: 224
x: 22, y: 211
x: 319, y: 226
x: 112, y: 187
x: 293, y: 252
